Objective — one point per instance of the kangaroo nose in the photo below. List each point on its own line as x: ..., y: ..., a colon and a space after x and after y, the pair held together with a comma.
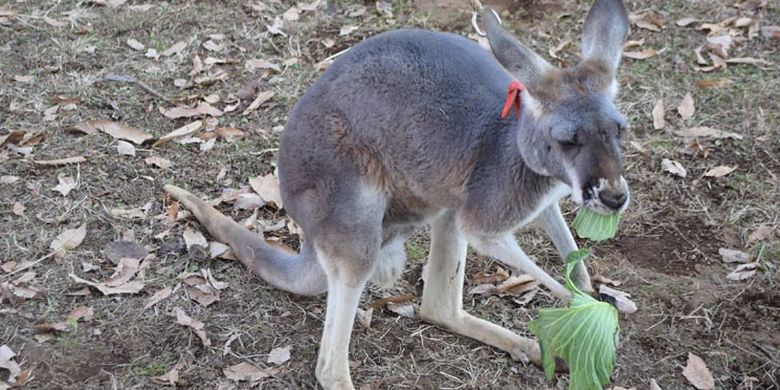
x: 613, y: 200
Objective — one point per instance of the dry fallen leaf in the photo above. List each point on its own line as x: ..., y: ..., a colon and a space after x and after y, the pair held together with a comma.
x: 170, y: 378
x: 61, y: 161
x: 135, y: 45
x: 18, y: 208
x: 279, y: 355
x: 197, y: 326
x: 517, y: 285
x: 686, y: 21
x: 125, y: 148
x: 180, y: 132
x: 760, y: 234
x: 605, y: 280
x: 69, y: 239
x: 686, y: 108
x: 402, y: 309
x: 85, y: 313
x: 347, y: 29
x: 720, y: 171
x: 698, y: 374
x: 641, y: 55
x: 158, y: 297
x: 158, y: 162
x: 268, y: 188
x: 125, y: 270
x: 733, y: 256
x: 7, y: 362
x: 203, y: 108
x: 118, y: 130
x: 654, y: 385
x: 176, y: 48
x: 115, y: 251
x: 256, y: 63
x: 245, y: 372
x: 647, y: 20
x: 8, y: 179
x: 704, y: 131
x: 673, y: 167
x: 261, y: 98
x: 743, y: 271
x: 194, y: 237
x: 771, y: 32
x: 659, y: 122
x: 484, y: 277
x: 66, y: 185
x: 130, y: 287
x: 364, y: 317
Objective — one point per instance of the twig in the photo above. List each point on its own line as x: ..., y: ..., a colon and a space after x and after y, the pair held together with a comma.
x: 29, y: 265
x: 130, y: 79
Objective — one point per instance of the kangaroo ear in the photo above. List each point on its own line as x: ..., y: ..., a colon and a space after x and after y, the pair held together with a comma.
x: 606, y: 28
x: 519, y: 60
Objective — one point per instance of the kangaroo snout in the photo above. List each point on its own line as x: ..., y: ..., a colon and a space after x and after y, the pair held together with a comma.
x: 607, y: 196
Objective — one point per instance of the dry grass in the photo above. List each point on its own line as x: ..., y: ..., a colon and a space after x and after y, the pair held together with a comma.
x: 666, y: 254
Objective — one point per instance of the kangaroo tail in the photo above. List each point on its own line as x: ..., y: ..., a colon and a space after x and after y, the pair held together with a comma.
x: 298, y: 273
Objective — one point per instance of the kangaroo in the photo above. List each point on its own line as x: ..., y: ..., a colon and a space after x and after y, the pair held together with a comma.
x: 406, y: 129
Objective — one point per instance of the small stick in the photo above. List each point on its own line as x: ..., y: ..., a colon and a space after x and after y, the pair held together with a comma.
x: 29, y: 265
x: 130, y: 79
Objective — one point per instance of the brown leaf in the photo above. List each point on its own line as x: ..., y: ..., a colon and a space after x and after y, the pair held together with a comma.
x: 747, y: 61
x: 135, y: 45
x: 517, y: 285
x: 180, y: 132
x: 364, y: 317
x: 481, y: 289
x: 256, y: 63
x: 245, y: 372
x: 733, y: 256
x: 125, y: 270
x: 659, y: 122
x: 81, y: 313
x: 170, y: 378
x: 66, y: 185
x: 261, y: 98
x: 158, y: 297
x: 116, y: 250
x: 176, y: 48
x: 203, y: 293
x: 686, y: 108
x: 673, y: 167
x: 704, y: 131
x: 268, y: 188
x: 720, y: 171
x: 646, y: 20
x: 203, y: 108
x: 395, y: 299
x: 18, y: 208
x: 698, y: 374
x: 760, y: 234
x: 743, y: 271
x: 347, y: 29
x: 194, y: 237
x: 7, y: 362
x: 279, y: 355
x: 130, y: 287
x: 484, y: 277
x: 654, y: 385
x: 118, y: 130
x: 69, y: 239
x: 159, y: 162
x: 641, y: 55
x: 684, y: 22
x: 402, y: 309
x: 771, y: 32
x: 125, y: 148
x: 198, y: 327
x: 61, y: 161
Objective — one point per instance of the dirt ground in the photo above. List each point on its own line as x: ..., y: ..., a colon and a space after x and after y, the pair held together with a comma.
x: 58, y: 54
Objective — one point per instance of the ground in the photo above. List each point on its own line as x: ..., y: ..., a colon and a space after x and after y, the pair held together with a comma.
x: 666, y: 253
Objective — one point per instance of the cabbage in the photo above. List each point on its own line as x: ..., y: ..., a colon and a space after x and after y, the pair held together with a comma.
x: 584, y: 335
x: 597, y: 227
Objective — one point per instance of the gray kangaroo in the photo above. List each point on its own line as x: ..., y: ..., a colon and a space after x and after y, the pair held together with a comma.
x: 405, y: 129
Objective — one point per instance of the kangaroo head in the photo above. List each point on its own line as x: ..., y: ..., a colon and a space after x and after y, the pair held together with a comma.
x: 574, y: 128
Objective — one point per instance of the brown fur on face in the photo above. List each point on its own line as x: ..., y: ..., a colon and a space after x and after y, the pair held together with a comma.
x: 591, y: 76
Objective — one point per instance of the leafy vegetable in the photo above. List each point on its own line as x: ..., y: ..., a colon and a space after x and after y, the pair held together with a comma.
x: 595, y: 226
x: 584, y: 335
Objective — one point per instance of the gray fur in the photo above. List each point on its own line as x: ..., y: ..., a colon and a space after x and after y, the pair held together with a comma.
x: 404, y: 128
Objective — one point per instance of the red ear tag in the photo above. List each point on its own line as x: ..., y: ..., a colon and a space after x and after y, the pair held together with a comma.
x: 514, y: 98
